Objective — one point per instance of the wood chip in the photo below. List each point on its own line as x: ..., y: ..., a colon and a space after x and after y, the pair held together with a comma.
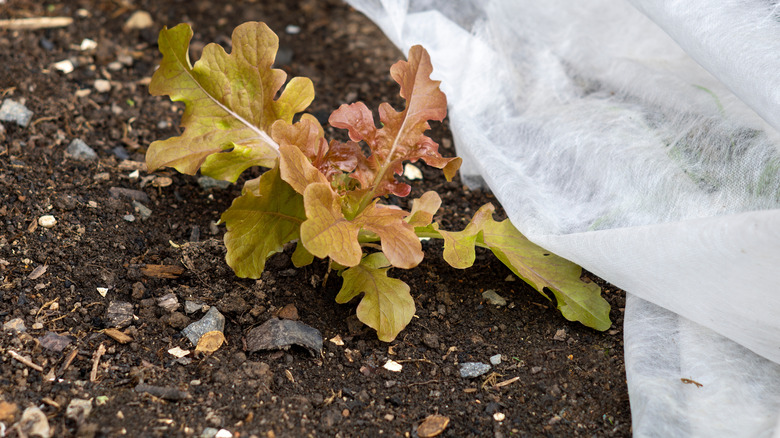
x: 432, y: 426
x: 162, y: 271
x: 117, y: 335
x: 35, y: 23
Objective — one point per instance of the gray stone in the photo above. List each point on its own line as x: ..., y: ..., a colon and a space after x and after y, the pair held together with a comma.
x: 473, y: 369
x: 169, y: 302
x: 142, y: 210
x: 80, y: 151
x: 135, y: 195
x: 119, y: 314
x: 281, y: 334
x: 12, y: 111
x: 192, y: 306
x: 493, y: 298
x: 208, y: 183
x: 495, y: 359
x: 211, y: 321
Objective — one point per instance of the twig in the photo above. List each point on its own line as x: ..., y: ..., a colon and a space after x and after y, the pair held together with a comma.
x: 95, y: 361
x: 35, y: 23
x: 506, y: 382
x: 25, y: 361
x: 68, y: 361
x: 424, y: 383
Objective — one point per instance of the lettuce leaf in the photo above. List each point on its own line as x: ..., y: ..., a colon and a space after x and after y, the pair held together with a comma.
x: 402, y: 136
x: 229, y: 99
x: 386, y: 306
x: 260, y: 222
x: 577, y: 300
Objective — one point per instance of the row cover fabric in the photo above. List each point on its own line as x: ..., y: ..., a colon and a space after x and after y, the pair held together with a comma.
x: 641, y: 140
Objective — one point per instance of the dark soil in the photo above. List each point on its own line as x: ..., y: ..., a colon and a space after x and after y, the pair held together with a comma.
x: 572, y: 384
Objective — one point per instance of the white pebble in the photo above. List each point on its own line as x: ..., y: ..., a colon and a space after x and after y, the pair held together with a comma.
x: 64, y: 66
x: 412, y: 172
x: 47, y: 221
x: 102, y: 85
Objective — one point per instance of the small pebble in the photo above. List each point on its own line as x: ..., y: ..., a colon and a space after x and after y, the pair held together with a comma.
x: 46, y: 44
x: 65, y: 66
x: 129, y: 218
x: 87, y: 44
x: 47, y: 221
x: 493, y: 298
x: 12, y: 111
x: 536, y: 370
x: 142, y: 210
x: 473, y: 369
x: 192, y: 306
x: 169, y: 302
x: 207, y: 182
x: 15, y: 325
x: 412, y: 172
x: 119, y: 314
x: 120, y: 152
x: 80, y: 151
x: 292, y: 29
x: 139, y: 20
x: 560, y: 335
x: 495, y: 359
x: 34, y: 423
x: 102, y: 86
x: 115, y: 66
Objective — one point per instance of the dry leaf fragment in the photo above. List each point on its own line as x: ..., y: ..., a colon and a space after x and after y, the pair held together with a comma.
x: 178, y: 352
x: 432, y: 426
x: 162, y: 181
x: 210, y: 341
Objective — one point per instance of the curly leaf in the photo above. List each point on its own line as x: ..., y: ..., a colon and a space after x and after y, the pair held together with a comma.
x: 402, y: 136
x: 229, y: 102
x: 399, y: 242
x: 386, y: 306
x: 423, y: 209
x: 327, y: 233
x: 577, y: 300
x: 260, y: 222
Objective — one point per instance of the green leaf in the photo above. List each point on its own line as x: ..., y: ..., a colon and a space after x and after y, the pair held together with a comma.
x: 386, y: 306
x: 301, y: 257
x: 260, y: 222
x: 577, y: 300
x: 229, y: 99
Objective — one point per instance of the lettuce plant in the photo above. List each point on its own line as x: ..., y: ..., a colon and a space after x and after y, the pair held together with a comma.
x: 326, y: 196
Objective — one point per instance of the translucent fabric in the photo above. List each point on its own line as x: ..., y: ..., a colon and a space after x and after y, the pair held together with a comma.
x: 640, y: 140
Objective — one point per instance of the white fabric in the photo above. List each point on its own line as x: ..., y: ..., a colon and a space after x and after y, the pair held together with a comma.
x: 640, y: 140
